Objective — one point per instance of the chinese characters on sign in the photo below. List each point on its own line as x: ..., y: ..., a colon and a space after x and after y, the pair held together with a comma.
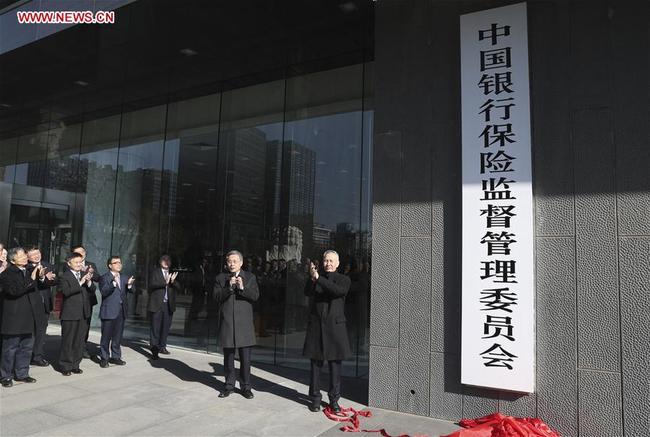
x: 498, y: 317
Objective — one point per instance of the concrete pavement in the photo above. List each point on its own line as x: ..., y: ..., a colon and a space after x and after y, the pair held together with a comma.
x: 175, y: 396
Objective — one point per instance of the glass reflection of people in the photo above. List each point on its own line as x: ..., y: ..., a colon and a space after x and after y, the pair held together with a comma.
x: 276, y: 310
x: 136, y: 305
x: 201, y: 285
x: 3, y: 258
x: 201, y: 288
x: 212, y: 304
x: 237, y: 290
x: 163, y: 288
x: 265, y: 282
x: 281, y: 296
x: 363, y: 311
x: 295, y: 299
x: 327, y: 337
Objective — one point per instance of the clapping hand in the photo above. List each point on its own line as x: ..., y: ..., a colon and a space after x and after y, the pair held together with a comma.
x: 50, y: 276
x: 171, y: 278
x: 36, y: 272
x: 87, y: 277
x: 130, y: 282
x: 239, y: 282
x: 313, y: 272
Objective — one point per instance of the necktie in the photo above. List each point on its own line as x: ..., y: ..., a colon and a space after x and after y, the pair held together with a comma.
x: 119, y: 285
x: 78, y: 275
x: 166, y: 275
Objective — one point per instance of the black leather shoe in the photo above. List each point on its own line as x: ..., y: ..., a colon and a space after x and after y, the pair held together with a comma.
x: 164, y: 351
x: 314, y: 408
x: 28, y: 379
x: 103, y: 364
x: 248, y: 394
x: 86, y: 354
x: 66, y: 373
x: 40, y: 363
x: 77, y: 371
x: 225, y: 394
x: 117, y: 361
x: 336, y: 408
x: 154, y: 353
x: 7, y: 383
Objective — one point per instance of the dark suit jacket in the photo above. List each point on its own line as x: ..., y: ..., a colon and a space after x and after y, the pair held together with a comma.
x: 327, y: 335
x: 76, y: 298
x: 21, y: 302
x: 157, y: 286
x: 236, y: 328
x: 45, y: 286
x: 112, y: 296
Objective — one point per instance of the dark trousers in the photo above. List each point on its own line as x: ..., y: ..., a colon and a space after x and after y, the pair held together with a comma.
x: 244, y: 367
x: 112, y: 331
x: 16, y: 353
x: 161, y: 322
x: 73, y: 334
x: 88, y: 322
x: 334, y: 392
x: 40, y: 328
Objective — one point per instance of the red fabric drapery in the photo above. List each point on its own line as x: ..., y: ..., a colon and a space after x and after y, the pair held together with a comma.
x: 351, y: 418
x: 498, y: 425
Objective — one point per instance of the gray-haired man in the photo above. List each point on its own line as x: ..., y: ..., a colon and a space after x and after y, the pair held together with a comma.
x: 327, y: 335
x: 21, y: 300
x: 236, y: 290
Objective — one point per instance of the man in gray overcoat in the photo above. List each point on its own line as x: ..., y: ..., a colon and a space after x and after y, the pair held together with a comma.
x: 327, y: 335
x: 236, y: 290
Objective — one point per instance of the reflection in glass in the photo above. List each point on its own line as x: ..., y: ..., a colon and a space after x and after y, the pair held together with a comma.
x: 98, y: 159
x: 136, y: 215
x: 9, y: 149
x: 322, y: 153
x: 278, y: 170
x: 96, y: 187
x: 249, y: 169
x: 188, y: 229
x: 42, y: 197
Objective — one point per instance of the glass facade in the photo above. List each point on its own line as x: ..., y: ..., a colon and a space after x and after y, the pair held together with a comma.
x: 279, y: 170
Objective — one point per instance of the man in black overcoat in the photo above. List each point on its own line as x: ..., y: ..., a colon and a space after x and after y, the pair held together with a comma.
x: 88, y: 267
x: 327, y: 335
x: 163, y: 288
x: 236, y: 290
x: 77, y: 287
x: 21, y: 302
x: 45, y: 280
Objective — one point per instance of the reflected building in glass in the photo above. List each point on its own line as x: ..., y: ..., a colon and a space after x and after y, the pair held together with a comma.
x: 194, y: 149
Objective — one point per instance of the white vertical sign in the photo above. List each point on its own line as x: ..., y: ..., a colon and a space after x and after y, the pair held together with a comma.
x: 498, y: 318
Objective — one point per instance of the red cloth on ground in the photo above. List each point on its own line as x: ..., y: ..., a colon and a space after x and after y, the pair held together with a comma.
x: 498, y: 425
x: 351, y: 416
